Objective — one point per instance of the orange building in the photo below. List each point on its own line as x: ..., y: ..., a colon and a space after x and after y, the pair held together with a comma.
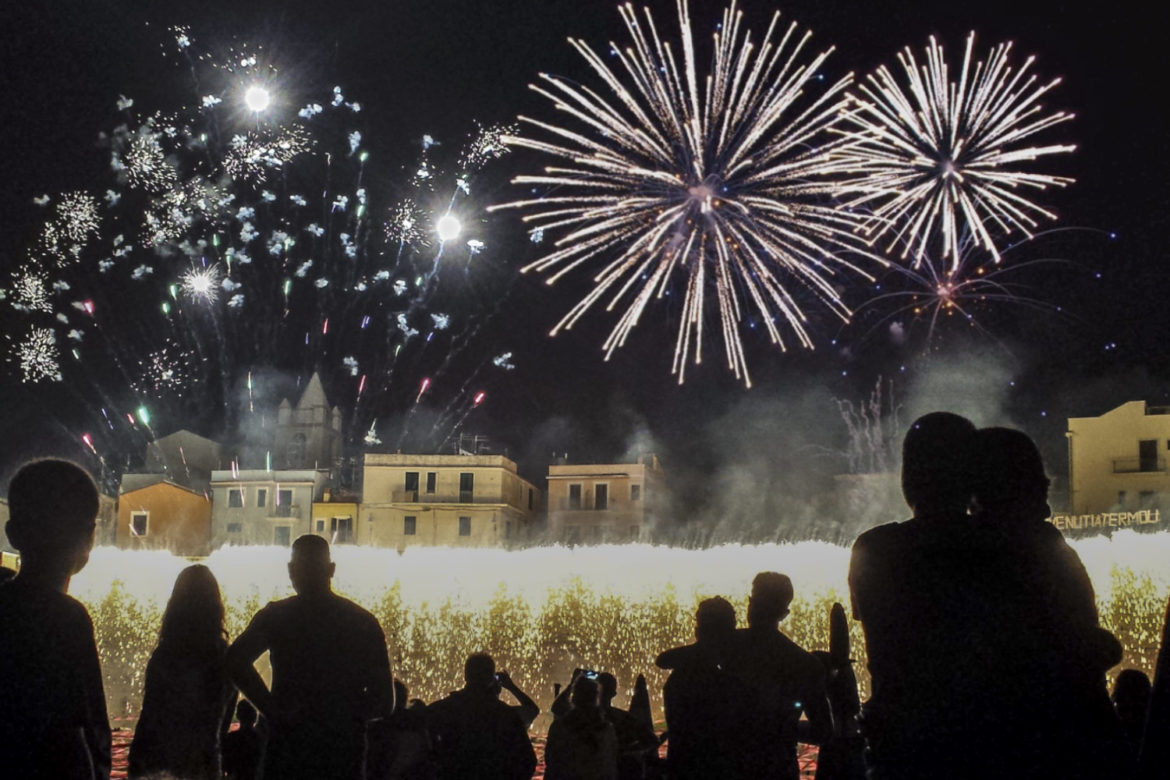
x: 165, y: 516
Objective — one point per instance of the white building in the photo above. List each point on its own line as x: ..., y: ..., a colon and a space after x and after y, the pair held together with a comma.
x: 255, y: 506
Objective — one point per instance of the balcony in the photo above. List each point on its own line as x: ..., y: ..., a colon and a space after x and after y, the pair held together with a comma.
x: 286, y: 510
x: 1139, y: 465
x: 458, y: 497
x: 585, y: 505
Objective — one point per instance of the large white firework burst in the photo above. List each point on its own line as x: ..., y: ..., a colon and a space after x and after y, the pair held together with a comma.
x: 940, y: 157
x: 720, y: 177
x: 203, y: 284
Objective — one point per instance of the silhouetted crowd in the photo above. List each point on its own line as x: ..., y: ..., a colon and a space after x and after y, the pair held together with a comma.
x: 985, y: 653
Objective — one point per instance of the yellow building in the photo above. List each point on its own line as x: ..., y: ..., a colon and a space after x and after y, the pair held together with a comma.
x: 164, y: 516
x: 456, y: 500
x: 600, y: 502
x: 1118, y: 461
x: 335, y: 517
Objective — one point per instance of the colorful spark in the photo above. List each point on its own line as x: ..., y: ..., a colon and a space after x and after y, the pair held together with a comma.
x: 722, y: 178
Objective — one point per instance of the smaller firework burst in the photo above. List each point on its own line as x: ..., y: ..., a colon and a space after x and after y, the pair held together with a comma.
x: 145, y: 163
x: 407, y: 223
x: 167, y: 371
x: 486, y: 145
x: 37, y: 356
x: 203, y: 284
x: 74, y: 223
x: 30, y: 292
x: 254, y: 156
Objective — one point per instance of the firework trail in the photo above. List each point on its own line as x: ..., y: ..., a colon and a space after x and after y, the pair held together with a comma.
x: 940, y: 158
x: 239, y: 233
x: 935, y: 291
x: 721, y: 177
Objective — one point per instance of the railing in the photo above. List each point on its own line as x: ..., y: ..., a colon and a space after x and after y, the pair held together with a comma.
x: 286, y: 510
x: 460, y: 497
x: 585, y: 504
x: 1138, y: 465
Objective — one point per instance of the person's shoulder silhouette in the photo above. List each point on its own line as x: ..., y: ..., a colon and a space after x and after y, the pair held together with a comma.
x: 475, y: 735
x: 55, y: 722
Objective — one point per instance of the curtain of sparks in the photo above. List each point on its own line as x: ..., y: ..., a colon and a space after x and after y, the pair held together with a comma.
x: 938, y: 159
x: 722, y: 178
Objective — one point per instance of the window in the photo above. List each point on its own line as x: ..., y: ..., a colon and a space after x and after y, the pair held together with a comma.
x: 507, y: 529
x: 1121, y: 498
x: 284, y: 499
x: 138, y: 522
x: 1148, y: 455
x: 635, y: 532
x: 236, y: 498
x: 465, y: 526
x: 341, y: 529
x: 411, y: 485
x: 635, y: 492
x: 466, y: 487
x: 601, y: 497
x: 235, y: 528
x: 320, y: 526
x: 431, y: 476
x: 574, y: 496
x: 282, y: 535
x: 530, y: 499
x: 261, y: 496
x: 409, y: 525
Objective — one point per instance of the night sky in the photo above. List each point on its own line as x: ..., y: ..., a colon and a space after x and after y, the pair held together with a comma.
x: 433, y: 67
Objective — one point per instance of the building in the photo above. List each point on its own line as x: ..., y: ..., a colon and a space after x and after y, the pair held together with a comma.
x: 1118, y: 461
x: 308, y: 435
x: 185, y: 458
x: 604, y: 501
x: 457, y: 500
x: 257, y: 506
x: 335, y: 517
x: 164, y: 516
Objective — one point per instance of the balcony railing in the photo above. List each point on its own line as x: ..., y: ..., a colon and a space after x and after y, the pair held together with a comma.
x: 286, y: 510
x: 1138, y: 465
x: 458, y: 497
x: 585, y: 504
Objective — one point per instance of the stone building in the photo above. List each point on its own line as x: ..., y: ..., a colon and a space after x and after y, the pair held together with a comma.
x: 599, y: 502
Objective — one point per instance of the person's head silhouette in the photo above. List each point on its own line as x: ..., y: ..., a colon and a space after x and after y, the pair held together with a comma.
x: 771, y: 596
x: 585, y: 694
x: 53, y: 506
x: 714, y: 621
x: 194, y: 615
x: 937, y: 464
x: 479, y: 673
x: 1009, y: 474
x: 310, y: 569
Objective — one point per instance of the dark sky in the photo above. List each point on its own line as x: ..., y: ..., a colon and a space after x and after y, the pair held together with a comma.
x: 433, y: 66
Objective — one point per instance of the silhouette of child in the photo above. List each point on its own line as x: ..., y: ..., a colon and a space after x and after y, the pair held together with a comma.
x: 48, y: 657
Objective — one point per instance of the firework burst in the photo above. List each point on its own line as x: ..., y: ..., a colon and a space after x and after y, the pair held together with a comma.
x: 940, y: 158
x: 721, y: 178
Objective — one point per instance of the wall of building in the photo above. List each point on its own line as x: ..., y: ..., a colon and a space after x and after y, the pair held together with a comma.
x: 499, y: 508
x: 329, y: 521
x: 274, y: 522
x: 623, y: 517
x: 1107, y: 471
x: 178, y: 520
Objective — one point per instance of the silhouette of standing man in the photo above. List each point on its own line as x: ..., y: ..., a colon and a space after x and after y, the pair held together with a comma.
x: 330, y: 673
